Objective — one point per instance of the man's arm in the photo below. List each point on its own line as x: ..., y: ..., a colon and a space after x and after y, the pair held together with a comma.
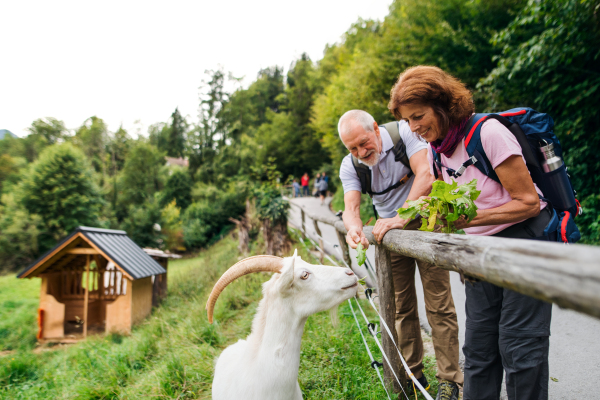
x: 352, y: 221
x: 421, y: 187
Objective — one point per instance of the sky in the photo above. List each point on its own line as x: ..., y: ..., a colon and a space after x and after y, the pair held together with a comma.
x: 126, y: 61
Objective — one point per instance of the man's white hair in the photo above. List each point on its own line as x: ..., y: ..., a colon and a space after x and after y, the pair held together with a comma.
x: 352, y: 117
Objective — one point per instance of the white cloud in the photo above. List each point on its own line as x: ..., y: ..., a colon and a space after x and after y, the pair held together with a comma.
x: 137, y: 60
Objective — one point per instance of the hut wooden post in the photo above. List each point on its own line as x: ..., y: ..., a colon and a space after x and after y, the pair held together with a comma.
x: 387, y: 309
x: 86, y: 299
x: 322, y: 255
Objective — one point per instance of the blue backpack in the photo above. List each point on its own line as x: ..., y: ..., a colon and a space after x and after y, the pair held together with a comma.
x: 535, y: 133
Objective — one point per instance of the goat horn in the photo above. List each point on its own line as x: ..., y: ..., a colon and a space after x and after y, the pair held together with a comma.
x: 241, y: 268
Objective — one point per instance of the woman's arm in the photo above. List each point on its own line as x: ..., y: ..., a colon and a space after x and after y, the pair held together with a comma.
x: 514, y: 177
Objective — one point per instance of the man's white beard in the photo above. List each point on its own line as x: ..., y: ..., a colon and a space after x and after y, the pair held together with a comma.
x: 373, y: 162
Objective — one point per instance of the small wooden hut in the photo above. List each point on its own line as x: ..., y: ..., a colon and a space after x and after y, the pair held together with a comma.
x: 94, y: 280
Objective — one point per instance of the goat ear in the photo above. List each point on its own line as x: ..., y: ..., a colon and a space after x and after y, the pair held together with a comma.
x: 287, y: 274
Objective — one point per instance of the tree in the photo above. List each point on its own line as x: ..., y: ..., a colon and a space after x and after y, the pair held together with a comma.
x: 60, y: 190
x: 142, y: 174
x: 18, y: 234
x: 178, y: 188
x: 143, y: 224
x: 176, y: 135
x: 51, y: 129
x: 92, y: 137
x: 549, y: 61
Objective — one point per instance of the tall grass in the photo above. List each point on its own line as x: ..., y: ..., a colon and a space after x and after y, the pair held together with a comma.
x: 171, y: 354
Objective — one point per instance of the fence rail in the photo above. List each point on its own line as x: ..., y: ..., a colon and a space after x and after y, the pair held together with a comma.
x: 568, y: 275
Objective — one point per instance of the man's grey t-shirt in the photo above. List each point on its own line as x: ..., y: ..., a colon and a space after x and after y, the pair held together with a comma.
x: 386, y: 172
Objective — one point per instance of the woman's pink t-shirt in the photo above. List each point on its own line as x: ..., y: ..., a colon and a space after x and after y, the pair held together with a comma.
x: 499, y: 144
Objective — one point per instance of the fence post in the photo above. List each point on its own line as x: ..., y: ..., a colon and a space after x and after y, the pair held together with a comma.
x: 303, y: 229
x: 344, y: 247
x: 387, y: 309
x: 320, y: 240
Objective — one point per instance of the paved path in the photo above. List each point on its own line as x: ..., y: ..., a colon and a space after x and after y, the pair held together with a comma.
x: 574, y: 344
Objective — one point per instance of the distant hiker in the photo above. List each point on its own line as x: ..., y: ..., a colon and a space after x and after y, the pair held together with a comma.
x: 390, y: 163
x: 304, y: 182
x: 322, y: 188
x: 316, y: 185
x: 296, y: 187
x: 506, y: 332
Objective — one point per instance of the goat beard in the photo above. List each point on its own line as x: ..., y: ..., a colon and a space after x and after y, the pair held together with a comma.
x: 373, y: 162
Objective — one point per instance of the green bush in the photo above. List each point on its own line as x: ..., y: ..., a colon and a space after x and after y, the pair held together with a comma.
x: 209, y: 215
x: 60, y: 189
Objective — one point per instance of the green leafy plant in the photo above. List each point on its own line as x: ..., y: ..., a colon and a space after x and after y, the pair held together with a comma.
x: 361, y: 254
x: 446, y: 204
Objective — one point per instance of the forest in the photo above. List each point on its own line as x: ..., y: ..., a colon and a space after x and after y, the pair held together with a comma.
x: 247, y: 141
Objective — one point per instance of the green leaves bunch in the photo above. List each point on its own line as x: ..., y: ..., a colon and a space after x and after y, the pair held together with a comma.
x: 446, y: 202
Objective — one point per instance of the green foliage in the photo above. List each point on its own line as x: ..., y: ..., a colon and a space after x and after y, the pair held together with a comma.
x: 361, y: 70
x: 178, y: 188
x: 51, y: 129
x: 142, y: 175
x: 19, y: 233
x: 361, y: 254
x: 549, y: 61
x: 209, y: 214
x: 143, y: 224
x: 176, y: 139
x: 270, y: 204
x: 60, y: 190
x: 446, y: 203
x: 91, y: 137
x: 172, y: 227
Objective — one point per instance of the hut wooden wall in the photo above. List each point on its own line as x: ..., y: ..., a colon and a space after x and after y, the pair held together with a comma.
x: 142, y: 299
x: 118, y: 313
x: 53, y: 311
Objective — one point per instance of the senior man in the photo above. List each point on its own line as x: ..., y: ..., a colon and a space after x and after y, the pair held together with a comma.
x: 392, y: 183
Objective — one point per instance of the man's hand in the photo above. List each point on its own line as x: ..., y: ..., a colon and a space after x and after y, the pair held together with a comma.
x: 385, y: 224
x: 355, y: 236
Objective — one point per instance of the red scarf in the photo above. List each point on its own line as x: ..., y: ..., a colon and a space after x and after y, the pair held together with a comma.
x: 455, y: 135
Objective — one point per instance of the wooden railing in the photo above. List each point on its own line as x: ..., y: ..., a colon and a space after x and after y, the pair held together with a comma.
x: 568, y: 275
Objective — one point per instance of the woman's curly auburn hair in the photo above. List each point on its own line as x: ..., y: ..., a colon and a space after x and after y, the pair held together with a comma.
x: 430, y: 86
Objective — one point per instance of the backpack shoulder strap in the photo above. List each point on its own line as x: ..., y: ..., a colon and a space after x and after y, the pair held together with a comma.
x: 399, y: 148
x: 364, y: 175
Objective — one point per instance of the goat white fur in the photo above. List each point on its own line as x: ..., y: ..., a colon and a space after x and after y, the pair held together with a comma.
x: 265, y: 365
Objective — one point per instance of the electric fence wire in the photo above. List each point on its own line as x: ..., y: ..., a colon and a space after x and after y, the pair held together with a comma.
x: 411, y: 375
x: 374, y: 363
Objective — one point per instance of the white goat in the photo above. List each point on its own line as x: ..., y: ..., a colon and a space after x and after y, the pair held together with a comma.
x: 265, y: 365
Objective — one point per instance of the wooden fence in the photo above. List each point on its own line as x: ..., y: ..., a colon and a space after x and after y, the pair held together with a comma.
x: 568, y: 275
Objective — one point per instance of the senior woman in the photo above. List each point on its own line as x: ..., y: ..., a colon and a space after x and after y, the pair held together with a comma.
x: 505, y: 330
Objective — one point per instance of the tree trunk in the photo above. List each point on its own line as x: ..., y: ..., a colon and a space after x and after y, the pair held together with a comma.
x: 276, y: 238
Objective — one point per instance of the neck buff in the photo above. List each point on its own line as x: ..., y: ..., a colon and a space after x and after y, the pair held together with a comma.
x: 453, y: 138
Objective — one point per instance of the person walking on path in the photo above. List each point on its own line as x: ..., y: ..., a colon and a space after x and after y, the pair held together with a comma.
x: 505, y: 331
x: 316, y: 185
x: 296, y: 187
x: 392, y: 183
x: 322, y: 187
x: 304, y: 182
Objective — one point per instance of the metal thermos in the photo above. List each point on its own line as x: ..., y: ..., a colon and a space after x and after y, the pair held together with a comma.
x: 551, y: 160
x: 557, y: 185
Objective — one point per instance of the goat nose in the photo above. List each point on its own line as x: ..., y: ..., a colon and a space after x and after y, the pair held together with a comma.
x: 349, y: 273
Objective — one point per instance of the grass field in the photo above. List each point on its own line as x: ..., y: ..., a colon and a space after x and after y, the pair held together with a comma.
x: 171, y: 354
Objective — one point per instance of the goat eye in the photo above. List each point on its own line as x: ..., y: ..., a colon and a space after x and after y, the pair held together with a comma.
x: 304, y: 275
